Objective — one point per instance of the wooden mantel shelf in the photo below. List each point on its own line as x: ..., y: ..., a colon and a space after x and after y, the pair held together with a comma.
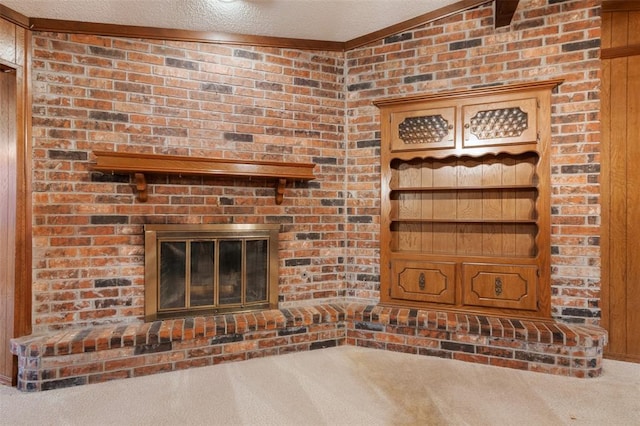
x: 142, y: 164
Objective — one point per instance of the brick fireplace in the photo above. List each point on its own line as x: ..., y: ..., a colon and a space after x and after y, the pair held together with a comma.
x: 93, y: 93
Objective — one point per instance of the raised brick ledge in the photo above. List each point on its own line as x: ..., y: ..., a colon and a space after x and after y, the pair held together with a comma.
x: 101, y: 353
x: 534, y: 345
x: 95, y: 354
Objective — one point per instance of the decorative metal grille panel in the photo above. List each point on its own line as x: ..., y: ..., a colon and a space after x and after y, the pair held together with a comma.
x: 499, y: 123
x: 426, y: 129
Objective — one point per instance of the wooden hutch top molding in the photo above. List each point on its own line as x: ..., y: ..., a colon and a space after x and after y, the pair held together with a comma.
x: 466, y: 94
x: 141, y: 164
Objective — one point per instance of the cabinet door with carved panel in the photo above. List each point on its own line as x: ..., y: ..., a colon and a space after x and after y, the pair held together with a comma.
x: 423, y: 129
x: 500, y: 123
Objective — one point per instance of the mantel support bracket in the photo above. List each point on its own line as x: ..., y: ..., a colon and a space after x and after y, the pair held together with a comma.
x: 280, y: 190
x: 141, y: 187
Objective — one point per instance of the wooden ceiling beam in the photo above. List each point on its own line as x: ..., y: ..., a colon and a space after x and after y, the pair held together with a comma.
x: 504, y: 10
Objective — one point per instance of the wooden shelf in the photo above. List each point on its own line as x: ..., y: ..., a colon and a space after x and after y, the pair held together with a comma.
x: 141, y: 165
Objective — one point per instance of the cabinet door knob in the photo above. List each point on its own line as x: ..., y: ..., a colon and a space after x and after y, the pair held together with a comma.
x: 498, y: 286
x: 422, y: 281
x: 466, y: 126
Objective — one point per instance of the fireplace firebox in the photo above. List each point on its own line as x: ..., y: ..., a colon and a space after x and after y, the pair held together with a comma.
x: 203, y: 269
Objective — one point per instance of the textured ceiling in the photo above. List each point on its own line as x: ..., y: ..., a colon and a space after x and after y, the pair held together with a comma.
x: 329, y: 20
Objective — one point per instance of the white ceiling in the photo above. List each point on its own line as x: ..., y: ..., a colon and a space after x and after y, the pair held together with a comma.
x: 329, y: 20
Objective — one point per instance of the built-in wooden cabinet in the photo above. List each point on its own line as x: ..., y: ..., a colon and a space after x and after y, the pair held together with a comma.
x: 465, y: 214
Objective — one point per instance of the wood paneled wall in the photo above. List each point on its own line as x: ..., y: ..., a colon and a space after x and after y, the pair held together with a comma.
x: 621, y: 178
x: 15, y: 218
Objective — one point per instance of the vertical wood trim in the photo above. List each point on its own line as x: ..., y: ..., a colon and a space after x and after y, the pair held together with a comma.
x: 618, y: 205
x: 605, y: 144
x: 8, y: 213
x: 16, y: 300
x: 23, y: 324
x: 633, y: 203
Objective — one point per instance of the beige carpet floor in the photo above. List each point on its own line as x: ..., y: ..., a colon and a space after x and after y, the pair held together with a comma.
x: 339, y: 386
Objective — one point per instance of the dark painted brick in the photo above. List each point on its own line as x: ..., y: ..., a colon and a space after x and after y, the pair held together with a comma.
x: 278, y: 219
x: 581, y: 45
x: 458, y: 347
x: 64, y: 383
x: 67, y: 155
x: 360, y: 219
x: 108, y: 177
x: 308, y: 236
x: 367, y: 277
x: 533, y: 357
x: 108, y: 303
x: 227, y: 338
x: 307, y: 134
x: 181, y: 63
x: 297, y: 262
x: 371, y: 326
x: 398, y: 37
x: 359, y: 86
x: 325, y: 160
x: 292, y: 330
x: 306, y: 82
x: 109, y: 116
x: 238, y: 137
x: 112, y: 282
x: 111, y: 53
x: 465, y: 44
x: 109, y: 220
x: 371, y: 143
x: 239, y: 53
x: 152, y: 348
x: 580, y: 312
x: 333, y: 202
x: 218, y: 88
x: 416, y: 78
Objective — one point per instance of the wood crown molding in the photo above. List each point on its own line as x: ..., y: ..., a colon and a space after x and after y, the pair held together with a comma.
x: 410, y: 24
x: 14, y: 17
x: 54, y: 25
x: 620, y: 5
x: 77, y: 27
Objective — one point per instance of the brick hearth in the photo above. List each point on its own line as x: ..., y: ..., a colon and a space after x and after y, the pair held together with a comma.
x: 99, y: 354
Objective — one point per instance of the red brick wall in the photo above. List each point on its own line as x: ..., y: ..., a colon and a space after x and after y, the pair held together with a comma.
x: 547, y: 40
x: 101, y: 93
